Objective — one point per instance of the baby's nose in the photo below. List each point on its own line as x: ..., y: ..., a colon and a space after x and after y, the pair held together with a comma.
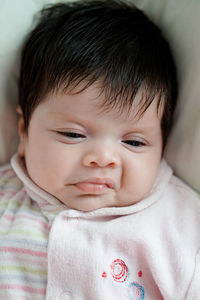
x: 102, y: 156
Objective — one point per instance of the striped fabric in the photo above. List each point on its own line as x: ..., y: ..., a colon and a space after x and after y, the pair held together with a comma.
x: 24, y: 232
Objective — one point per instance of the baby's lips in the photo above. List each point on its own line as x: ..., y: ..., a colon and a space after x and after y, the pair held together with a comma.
x: 95, y: 185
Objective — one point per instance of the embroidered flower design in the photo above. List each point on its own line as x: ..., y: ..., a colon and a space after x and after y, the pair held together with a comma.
x: 119, y: 270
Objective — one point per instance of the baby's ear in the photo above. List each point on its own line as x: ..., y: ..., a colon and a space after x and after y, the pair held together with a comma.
x: 21, y: 132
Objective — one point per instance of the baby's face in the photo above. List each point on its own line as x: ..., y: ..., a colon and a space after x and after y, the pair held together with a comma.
x: 87, y: 158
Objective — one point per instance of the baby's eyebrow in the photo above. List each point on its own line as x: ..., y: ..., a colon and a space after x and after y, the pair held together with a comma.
x: 65, y: 117
x: 144, y: 130
x: 58, y: 115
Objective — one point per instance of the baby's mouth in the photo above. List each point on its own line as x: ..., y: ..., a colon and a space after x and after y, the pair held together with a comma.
x: 95, y: 185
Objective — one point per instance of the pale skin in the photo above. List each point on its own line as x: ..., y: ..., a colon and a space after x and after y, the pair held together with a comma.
x: 89, y: 158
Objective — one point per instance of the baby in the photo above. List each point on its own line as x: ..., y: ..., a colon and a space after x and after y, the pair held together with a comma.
x: 89, y: 209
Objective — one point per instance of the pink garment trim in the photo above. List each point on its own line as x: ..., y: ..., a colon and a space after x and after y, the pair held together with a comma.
x: 10, y: 218
x: 22, y: 288
x: 24, y: 251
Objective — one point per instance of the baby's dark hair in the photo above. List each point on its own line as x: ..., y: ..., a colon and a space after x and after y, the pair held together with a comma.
x: 109, y: 41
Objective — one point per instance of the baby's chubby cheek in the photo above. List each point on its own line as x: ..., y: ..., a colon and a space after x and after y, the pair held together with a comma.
x: 135, y: 186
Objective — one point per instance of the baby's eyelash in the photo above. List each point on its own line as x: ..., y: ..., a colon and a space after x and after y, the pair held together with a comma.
x: 134, y: 143
x: 73, y: 135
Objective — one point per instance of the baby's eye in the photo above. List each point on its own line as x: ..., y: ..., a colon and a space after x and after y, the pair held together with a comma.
x: 72, y: 135
x: 134, y: 143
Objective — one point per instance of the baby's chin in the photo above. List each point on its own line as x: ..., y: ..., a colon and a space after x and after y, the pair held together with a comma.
x: 89, y: 203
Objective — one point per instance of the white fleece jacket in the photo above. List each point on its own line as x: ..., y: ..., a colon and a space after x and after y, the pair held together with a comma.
x: 150, y: 250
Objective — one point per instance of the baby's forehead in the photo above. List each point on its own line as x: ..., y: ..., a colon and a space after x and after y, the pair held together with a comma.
x: 106, y: 99
x: 128, y: 109
x: 92, y: 100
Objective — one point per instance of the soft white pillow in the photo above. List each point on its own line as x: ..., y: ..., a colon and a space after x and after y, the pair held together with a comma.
x: 16, y: 19
x: 180, y: 22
